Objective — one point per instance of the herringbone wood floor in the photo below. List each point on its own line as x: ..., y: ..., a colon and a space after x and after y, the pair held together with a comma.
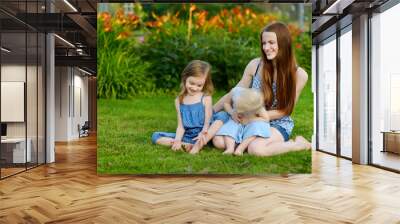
x: 69, y: 191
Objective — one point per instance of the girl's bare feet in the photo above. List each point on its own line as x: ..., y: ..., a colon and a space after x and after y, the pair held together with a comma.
x: 238, y: 153
x: 188, y: 147
x: 200, y: 143
x: 228, y: 151
x: 196, y: 147
x: 302, y: 143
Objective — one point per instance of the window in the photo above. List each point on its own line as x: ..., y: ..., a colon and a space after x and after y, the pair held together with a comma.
x: 22, y: 67
x: 346, y: 92
x: 327, y: 96
x: 385, y: 85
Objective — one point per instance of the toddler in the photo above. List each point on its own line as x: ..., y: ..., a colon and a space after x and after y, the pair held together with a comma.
x: 248, y: 120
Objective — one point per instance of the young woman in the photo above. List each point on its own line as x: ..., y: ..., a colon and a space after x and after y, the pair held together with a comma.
x: 281, y: 81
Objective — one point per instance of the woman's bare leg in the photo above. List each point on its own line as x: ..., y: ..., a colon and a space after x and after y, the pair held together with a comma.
x: 302, y: 140
x: 275, y: 145
x: 220, y: 104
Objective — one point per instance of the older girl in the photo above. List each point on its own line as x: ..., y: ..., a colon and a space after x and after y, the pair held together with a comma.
x: 193, y: 107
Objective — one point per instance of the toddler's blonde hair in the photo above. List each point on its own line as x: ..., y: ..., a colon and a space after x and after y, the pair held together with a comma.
x: 248, y: 101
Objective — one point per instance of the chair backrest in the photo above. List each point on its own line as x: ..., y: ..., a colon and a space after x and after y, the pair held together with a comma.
x: 86, y: 125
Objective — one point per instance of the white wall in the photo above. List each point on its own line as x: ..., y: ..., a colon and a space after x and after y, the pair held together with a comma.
x: 13, y: 73
x: 81, y: 82
x: 70, y: 83
x: 62, y: 81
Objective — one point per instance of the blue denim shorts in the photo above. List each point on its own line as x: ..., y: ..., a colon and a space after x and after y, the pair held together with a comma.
x: 282, y: 131
x: 221, y: 115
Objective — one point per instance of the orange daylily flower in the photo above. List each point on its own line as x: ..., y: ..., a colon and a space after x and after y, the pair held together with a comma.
x: 107, y: 26
x: 236, y: 10
x: 193, y: 7
x: 216, y: 21
x: 201, y: 18
x: 104, y: 16
x: 120, y: 13
x: 123, y: 35
x: 154, y: 23
x: 224, y: 13
x: 107, y: 29
x: 133, y: 19
x: 120, y: 17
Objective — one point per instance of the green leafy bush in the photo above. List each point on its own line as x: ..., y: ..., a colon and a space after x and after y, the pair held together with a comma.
x: 303, y: 51
x: 121, y: 71
x: 146, y: 57
x: 169, y: 52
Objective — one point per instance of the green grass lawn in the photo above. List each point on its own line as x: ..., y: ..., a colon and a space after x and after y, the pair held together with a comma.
x: 124, y: 142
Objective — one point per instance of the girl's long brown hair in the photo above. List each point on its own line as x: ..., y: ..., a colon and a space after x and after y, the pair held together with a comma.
x: 196, y: 68
x: 285, y: 68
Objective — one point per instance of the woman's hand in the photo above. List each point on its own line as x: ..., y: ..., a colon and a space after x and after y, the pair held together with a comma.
x: 235, y: 116
x: 264, y: 115
x: 177, y: 145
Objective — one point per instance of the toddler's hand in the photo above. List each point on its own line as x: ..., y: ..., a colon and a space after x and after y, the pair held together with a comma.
x: 177, y: 145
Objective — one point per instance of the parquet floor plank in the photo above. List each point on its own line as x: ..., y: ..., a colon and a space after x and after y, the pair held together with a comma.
x: 70, y: 191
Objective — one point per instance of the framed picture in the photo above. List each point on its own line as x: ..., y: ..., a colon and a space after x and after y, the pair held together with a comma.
x: 167, y: 102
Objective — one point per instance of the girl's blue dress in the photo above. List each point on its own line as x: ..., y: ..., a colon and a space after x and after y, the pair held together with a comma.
x: 193, y: 116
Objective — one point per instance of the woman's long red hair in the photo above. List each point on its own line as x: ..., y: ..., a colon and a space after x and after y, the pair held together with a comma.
x: 285, y: 68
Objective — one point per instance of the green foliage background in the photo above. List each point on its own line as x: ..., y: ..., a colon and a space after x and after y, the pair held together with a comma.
x: 147, y: 56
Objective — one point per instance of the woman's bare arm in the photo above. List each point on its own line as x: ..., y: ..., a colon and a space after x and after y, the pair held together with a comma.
x: 228, y: 103
x: 244, y: 82
x: 302, y: 78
